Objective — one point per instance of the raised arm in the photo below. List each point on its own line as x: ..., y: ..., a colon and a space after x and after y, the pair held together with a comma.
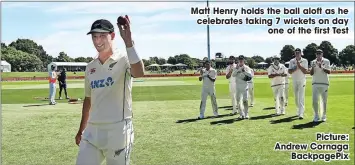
x: 137, y: 66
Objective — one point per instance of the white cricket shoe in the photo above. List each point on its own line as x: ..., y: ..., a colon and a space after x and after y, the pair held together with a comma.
x: 324, y: 118
x: 316, y: 119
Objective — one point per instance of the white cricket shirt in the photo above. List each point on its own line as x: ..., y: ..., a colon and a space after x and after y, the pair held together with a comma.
x: 288, y: 76
x: 239, y: 75
x: 320, y: 77
x: 298, y: 75
x: 109, y: 85
x: 277, y: 69
x: 207, y: 83
x: 229, y: 68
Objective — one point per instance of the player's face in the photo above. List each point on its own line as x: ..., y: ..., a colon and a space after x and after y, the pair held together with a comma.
x: 276, y: 61
x: 231, y: 61
x: 102, y: 41
x: 319, y: 55
x: 207, y: 65
x: 298, y: 54
x: 241, y: 62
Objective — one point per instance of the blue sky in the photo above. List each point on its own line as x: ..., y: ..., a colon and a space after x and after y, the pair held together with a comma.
x: 161, y: 29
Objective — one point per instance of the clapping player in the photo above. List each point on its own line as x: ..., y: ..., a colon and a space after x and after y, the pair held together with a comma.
x: 298, y: 69
x: 242, y: 74
x: 320, y: 84
x: 232, y: 84
x: 277, y: 73
x: 208, y: 77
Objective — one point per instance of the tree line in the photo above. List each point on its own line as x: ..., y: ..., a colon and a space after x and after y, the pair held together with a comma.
x: 25, y: 55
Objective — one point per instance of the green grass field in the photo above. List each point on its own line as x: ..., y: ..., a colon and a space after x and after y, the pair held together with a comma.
x: 44, y: 74
x: 166, y: 133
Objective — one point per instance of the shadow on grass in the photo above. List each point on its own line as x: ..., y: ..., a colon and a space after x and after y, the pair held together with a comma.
x: 225, y: 107
x: 269, y: 108
x: 263, y: 117
x: 284, y: 120
x: 353, y: 128
x: 196, y: 119
x: 35, y: 105
x: 231, y: 107
x: 306, y: 125
x: 228, y: 121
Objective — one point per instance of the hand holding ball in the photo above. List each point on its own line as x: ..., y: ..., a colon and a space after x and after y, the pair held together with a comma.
x: 122, y: 21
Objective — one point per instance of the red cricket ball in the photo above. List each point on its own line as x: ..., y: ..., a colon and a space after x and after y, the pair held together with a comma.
x: 121, y: 20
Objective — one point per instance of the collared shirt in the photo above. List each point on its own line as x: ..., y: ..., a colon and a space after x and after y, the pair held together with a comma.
x: 109, y: 85
x: 277, y: 69
x: 207, y: 83
x: 240, y: 75
x: 320, y: 77
x: 229, y: 68
x: 298, y: 75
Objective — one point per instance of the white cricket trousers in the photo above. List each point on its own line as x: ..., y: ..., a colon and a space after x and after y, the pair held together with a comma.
x: 251, y: 92
x: 286, y: 93
x: 208, y: 92
x: 112, y: 142
x: 279, y: 95
x: 242, y: 95
x: 322, y: 90
x: 232, y: 90
x: 299, y: 92
x: 52, y: 90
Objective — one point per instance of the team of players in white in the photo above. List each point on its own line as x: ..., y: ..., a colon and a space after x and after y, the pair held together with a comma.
x: 241, y: 84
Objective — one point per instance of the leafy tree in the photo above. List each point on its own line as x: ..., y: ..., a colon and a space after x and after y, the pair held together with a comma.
x: 347, y: 55
x: 3, y: 45
x: 80, y: 59
x: 63, y: 57
x: 172, y: 60
x: 251, y: 62
x: 258, y: 59
x: 29, y: 46
x: 89, y: 59
x: 268, y: 60
x: 21, y: 61
x: 286, y: 53
x: 161, y: 61
x: 329, y: 52
x: 309, y: 52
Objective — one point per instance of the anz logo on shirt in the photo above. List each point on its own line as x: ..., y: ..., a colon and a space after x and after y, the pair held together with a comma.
x: 102, y: 83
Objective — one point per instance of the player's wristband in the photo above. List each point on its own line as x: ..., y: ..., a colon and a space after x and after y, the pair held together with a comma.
x: 133, y: 57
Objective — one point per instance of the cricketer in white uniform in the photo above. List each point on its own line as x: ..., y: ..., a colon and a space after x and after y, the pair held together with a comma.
x: 242, y: 74
x: 107, y: 107
x: 320, y: 84
x: 298, y: 69
x: 52, y: 85
x: 277, y: 73
x: 251, y: 88
x: 232, y: 84
x: 208, y: 77
x: 286, y: 87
